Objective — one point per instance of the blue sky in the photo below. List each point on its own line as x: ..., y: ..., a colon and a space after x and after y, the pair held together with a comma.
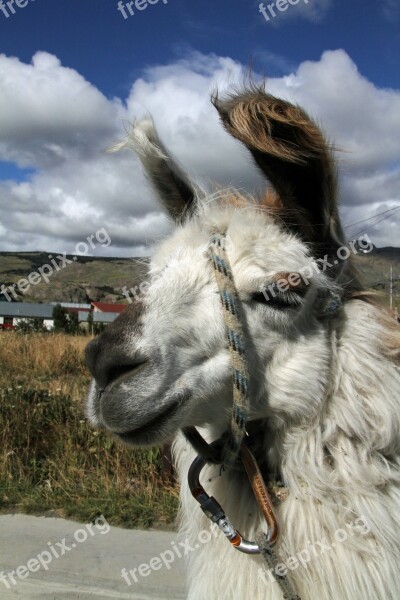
x: 92, y: 36
x: 329, y: 54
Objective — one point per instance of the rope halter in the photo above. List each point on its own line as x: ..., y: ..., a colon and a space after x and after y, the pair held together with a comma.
x: 234, y: 319
x: 228, y: 449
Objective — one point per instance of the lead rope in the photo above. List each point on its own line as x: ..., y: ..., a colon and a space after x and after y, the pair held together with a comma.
x: 234, y: 323
x: 234, y: 440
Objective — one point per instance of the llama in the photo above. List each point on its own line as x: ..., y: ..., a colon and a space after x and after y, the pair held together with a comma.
x: 324, y: 397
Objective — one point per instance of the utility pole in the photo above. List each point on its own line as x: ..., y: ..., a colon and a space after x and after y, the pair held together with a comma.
x: 391, y: 287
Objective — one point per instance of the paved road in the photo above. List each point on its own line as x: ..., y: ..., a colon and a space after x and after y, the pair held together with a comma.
x: 57, y: 559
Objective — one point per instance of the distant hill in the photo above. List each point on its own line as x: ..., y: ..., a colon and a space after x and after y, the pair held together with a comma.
x: 81, y: 280
x: 102, y: 279
x: 375, y: 268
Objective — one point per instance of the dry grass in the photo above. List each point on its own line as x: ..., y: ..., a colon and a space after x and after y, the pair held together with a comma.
x: 50, y: 459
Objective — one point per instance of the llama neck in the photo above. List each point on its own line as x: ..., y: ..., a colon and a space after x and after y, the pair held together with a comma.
x: 356, y: 439
x: 350, y: 449
x: 343, y: 478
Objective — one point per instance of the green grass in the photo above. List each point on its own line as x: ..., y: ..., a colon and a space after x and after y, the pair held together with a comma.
x: 51, y: 460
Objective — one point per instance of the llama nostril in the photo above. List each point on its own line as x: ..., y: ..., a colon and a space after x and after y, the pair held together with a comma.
x: 106, y: 368
x: 116, y: 371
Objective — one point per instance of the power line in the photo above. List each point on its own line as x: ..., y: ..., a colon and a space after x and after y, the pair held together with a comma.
x: 373, y: 217
x: 373, y: 224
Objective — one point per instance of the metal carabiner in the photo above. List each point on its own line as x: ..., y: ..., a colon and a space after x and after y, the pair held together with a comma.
x: 214, y: 511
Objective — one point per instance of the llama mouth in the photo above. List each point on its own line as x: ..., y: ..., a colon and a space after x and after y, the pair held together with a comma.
x: 153, y: 428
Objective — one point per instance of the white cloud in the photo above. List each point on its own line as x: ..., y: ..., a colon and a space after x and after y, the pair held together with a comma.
x: 363, y: 122
x: 314, y: 10
x: 359, y: 117
x: 48, y: 111
x: 391, y: 10
x: 311, y: 10
x: 57, y: 123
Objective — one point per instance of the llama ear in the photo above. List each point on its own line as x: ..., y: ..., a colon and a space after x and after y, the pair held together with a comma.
x: 177, y: 193
x: 291, y: 151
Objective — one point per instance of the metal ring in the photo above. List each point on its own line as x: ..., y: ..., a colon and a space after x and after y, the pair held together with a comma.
x: 214, y: 511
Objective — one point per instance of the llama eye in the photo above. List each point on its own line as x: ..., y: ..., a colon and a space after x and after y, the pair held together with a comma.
x: 277, y: 300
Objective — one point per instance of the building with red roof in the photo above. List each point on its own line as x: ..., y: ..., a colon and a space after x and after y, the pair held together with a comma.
x: 107, y: 307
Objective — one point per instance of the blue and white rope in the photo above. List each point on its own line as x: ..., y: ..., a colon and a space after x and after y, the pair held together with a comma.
x: 234, y: 319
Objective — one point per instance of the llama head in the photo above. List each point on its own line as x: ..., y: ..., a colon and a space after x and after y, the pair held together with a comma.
x: 164, y: 363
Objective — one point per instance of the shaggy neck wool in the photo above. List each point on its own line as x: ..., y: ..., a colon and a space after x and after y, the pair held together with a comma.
x: 340, y: 522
